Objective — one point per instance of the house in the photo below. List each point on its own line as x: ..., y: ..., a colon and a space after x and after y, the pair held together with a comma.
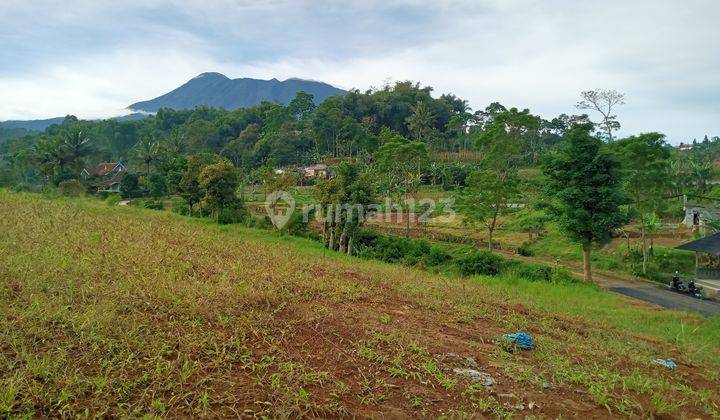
x: 316, y: 171
x: 109, y: 174
x: 707, y: 263
x: 683, y: 147
x: 696, y: 215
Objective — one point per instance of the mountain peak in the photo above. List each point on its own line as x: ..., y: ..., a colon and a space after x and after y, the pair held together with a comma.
x: 218, y: 91
x: 211, y: 75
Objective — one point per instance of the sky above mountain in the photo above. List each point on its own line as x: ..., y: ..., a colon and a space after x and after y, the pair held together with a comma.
x: 93, y: 57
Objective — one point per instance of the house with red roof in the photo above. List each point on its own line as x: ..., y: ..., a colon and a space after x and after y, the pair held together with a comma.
x: 109, y: 175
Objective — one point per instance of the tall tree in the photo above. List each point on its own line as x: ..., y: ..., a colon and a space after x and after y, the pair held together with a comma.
x: 487, y: 196
x: 645, y: 166
x: 490, y: 191
x: 219, y: 180
x: 399, y: 160
x: 585, y: 182
x: 147, y: 150
x: 421, y: 121
x: 603, y: 101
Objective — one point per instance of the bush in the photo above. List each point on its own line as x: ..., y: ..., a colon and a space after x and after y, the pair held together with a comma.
x: 153, y: 205
x: 561, y: 275
x: 532, y: 272
x: 235, y: 213
x: 180, y: 206
x: 436, y: 256
x: 113, y: 199
x: 256, y: 222
x: 525, y: 250
x: 479, y: 262
x: 71, y: 188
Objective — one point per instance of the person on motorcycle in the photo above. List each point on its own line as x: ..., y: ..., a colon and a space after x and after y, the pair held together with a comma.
x: 676, y: 280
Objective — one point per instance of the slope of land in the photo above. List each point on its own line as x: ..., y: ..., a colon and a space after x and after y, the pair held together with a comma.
x: 125, y: 312
x: 218, y: 91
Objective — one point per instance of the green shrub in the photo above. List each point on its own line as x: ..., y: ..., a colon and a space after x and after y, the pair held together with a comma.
x: 71, y: 188
x: 561, y: 275
x: 256, y: 222
x: 153, y: 205
x: 234, y: 213
x: 436, y: 256
x: 525, y: 250
x: 532, y: 272
x: 180, y: 206
x: 479, y: 262
x: 113, y: 199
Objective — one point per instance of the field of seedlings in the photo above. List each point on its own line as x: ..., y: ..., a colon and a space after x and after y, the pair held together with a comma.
x: 120, y: 311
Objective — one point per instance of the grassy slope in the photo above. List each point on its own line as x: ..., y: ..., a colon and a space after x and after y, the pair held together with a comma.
x: 126, y: 311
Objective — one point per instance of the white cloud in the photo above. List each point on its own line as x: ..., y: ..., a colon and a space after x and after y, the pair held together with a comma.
x: 101, y: 56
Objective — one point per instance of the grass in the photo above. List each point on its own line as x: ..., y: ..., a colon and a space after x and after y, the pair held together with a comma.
x: 129, y: 312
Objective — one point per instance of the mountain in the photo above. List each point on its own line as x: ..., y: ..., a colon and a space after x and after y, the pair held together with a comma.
x: 219, y: 91
x: 31, y: 125
x: 41, y: 125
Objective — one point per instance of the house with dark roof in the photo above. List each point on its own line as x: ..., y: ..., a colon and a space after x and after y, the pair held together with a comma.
x: 707, y: 262
x: 108, y: 174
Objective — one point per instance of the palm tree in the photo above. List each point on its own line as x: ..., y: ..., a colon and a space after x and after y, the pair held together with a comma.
x: 146, y: 150
x: 701, y: 171
x: 75, y: 147
x: 421, y: 121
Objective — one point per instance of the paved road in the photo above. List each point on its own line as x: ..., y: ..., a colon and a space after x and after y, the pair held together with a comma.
x: 637, y: 288
x: 668, y: 299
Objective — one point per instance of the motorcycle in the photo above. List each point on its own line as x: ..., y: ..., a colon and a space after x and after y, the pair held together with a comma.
x: 688, y: 288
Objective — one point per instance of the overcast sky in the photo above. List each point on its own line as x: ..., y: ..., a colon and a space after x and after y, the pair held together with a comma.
x: 91, y: 58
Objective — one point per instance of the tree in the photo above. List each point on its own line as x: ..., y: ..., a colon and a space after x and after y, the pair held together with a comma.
x: 400, y: 159
x: 645, y: 166
x: 488, y: 195
x: 147, y: 150
x: 585, y: 182
x: 421, y: 121
x: 344, y: 202
x: 219, y: 180
x: 129, y: 185
x: 301, y: 104
x: 603, y: 101
x: 190, y: 188
x: 491, y: 190
x: 75, y: 147
x: 156, y: 185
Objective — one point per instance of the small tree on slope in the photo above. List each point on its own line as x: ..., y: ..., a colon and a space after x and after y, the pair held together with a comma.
x: 586, y: 186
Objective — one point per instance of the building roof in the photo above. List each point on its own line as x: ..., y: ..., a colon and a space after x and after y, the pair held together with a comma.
x: 709, y: 245
x: 104, y: 168
x: 116, y: 178
x: 316, y: 167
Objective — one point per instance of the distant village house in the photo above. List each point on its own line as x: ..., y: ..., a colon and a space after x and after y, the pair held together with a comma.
x: 109, y: 174
x: 316, y: 171
x: 696, y: 215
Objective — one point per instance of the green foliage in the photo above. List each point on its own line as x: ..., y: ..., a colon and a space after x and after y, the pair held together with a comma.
x: 153, y: 205
x: 233, y: 213
x: 219, y: 181
x: 189, y: 187
x: 479, y: 262
x: 130, y: 186
x: 401, y: 250
x: 71, y: 188
x: 584, y: 181
x: 157, y: 185
x: 532, y: 272
x: 113, y: 199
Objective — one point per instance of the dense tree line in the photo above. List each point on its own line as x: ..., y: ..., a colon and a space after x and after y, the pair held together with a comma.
x: 382, y: 143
